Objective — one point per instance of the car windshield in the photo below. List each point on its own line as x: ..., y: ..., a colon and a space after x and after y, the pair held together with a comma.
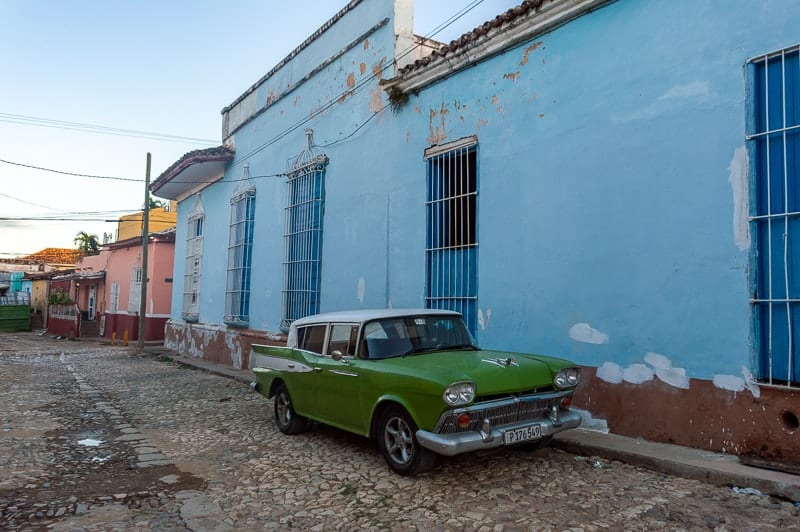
x: 408, y: 335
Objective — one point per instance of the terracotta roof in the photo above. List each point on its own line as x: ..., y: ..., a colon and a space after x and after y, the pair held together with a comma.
x: 55, y: 256
x: 219, y: 153
x: 470, y: 38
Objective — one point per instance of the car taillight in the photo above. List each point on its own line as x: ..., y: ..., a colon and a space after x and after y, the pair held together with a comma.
x: 463, y: 421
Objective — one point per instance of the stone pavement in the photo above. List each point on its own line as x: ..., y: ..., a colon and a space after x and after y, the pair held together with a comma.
x: 97, y: 437
x: 715, y: 468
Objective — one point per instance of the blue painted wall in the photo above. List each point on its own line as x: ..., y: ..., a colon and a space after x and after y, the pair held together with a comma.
x: 604, y: 197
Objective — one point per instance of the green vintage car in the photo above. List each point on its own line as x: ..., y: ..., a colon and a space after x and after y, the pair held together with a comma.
x: 416, y: 382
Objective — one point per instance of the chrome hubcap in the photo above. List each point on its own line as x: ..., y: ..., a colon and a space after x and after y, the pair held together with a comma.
x: 399, y: 440
x: 283, y: 409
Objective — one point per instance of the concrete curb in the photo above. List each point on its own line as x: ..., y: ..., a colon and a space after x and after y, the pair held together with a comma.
x: 715, y: 468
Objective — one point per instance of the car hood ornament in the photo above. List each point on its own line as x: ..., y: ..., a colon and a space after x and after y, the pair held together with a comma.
x: 502, y: 362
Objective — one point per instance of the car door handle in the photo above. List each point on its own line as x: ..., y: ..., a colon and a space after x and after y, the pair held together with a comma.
x: 317, y: 369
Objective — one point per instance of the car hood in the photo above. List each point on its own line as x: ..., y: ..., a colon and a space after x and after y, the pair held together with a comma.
x: 492, y: 371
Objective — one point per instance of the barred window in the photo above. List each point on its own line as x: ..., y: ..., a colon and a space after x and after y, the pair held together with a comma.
x: 305, y: 193
x: 240, y: 256
x: 192, y: 268
x: 451, y: 220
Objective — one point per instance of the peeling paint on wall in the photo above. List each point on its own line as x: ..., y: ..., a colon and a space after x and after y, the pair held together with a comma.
x: 729, y: 382
x: 638, y: 374
x: 689, y: 90
x: 737, y: 176
x: 610, y: 372
x: 437, y: 132
x: 362, y: 68
x: 484, y: 318
x: 665, y: 372
x: 360, y: 290
x: 583, y: 332
x: 526, y: 54
x: 512, y: 76
x: 591, y: 423
x: 641, y: 373
x: 351, y: 80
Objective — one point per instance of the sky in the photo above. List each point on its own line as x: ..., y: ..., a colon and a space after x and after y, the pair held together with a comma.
x: 155, y: 74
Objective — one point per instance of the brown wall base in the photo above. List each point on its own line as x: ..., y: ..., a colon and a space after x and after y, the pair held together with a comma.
x: 119, y: 323
x: 220, y: 344
x: 703, y: 417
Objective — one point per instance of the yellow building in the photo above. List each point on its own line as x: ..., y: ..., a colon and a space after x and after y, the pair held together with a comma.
x: 130, y: 225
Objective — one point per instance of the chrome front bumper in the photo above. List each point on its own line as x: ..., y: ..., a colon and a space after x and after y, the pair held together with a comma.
x: 490, y: 437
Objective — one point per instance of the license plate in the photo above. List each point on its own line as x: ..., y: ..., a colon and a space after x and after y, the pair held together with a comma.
x: 527, y: 433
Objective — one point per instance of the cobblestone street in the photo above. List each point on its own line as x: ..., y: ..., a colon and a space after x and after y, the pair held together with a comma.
x: 96, y: 437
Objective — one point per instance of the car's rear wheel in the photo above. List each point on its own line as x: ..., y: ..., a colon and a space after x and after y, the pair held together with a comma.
x: 399, y: 445
x: 285, y: 417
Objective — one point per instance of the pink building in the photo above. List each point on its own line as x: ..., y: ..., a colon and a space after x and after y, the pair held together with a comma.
x: 106, y: 289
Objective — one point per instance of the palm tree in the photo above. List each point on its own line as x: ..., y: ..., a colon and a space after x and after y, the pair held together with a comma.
x: 87, y: 243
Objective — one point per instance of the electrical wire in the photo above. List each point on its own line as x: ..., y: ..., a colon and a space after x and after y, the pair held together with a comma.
x: 333, y: 101
x: 362, y: 83
x: 72, y: 173
x: 104, y: 130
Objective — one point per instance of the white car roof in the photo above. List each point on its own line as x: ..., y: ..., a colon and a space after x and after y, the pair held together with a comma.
x: 361, y: 316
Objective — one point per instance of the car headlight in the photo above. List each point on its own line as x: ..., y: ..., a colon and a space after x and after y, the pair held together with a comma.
x: 460, y: 393
x: 567, y: 378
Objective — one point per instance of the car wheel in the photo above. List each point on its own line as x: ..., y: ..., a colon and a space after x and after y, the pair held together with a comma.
x: 399, y: 445
x: 285, y: 417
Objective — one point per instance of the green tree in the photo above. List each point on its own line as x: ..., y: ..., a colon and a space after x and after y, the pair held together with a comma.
x: 87, y: 243
x: 156, y: 203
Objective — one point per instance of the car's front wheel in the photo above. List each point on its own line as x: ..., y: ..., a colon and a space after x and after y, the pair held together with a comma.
x: 399, y: 445
x: 285, y: 417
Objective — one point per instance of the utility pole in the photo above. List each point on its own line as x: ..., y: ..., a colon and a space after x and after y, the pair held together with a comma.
x: 145, y: 243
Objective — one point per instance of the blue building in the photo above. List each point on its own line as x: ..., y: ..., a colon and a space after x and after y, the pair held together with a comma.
x: 614, y: 182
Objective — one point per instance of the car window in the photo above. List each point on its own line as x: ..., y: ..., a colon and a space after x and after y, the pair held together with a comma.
x: 393, y: 337
x: 343, y: 338
x: 311, y: 338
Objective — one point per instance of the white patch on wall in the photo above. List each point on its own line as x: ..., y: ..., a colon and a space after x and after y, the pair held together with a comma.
x: 737, y: 176
x: 583, y: 332
x: 610, y: 372
x: 590, y: 423
x: 689, y: 90
x: 637, y: 374
x: 483, y: 319
x: 729, y: 382
x: 751, y: 383
x: 665, y: 372
x: 360, y: 290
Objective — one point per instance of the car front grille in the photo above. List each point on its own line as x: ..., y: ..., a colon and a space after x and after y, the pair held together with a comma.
x: 503, y: 412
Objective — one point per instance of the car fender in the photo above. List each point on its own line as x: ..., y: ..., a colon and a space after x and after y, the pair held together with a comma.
x: 382, y: 402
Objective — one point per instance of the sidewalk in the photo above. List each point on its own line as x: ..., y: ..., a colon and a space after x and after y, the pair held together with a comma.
x: 715, y: 468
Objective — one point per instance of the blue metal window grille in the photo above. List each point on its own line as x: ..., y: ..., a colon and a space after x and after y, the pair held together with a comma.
x: 305, y: 193
x: 194, y: 255
x: 774, y: 146
x: 240, y: 257
x: 452, y: 241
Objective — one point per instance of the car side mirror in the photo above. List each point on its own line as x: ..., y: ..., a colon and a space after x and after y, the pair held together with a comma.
x: 337, y: 354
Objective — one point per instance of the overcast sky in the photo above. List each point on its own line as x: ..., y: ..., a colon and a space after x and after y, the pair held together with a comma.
x: 151, y: 66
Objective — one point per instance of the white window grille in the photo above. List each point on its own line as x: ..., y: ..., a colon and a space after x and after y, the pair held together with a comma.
x: 135, y: 297
x: 240, y: 253
x: 114, y: 303
x: 192, y: 267
x: 452, y: 240
x: 305, y: 200
x: 774, y: 144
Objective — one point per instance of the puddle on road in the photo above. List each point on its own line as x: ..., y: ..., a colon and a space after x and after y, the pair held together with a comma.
x: 90, y: 442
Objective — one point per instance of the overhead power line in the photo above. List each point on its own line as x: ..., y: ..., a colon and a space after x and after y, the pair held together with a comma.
x: 72, y: 173
x: 103, y: 130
